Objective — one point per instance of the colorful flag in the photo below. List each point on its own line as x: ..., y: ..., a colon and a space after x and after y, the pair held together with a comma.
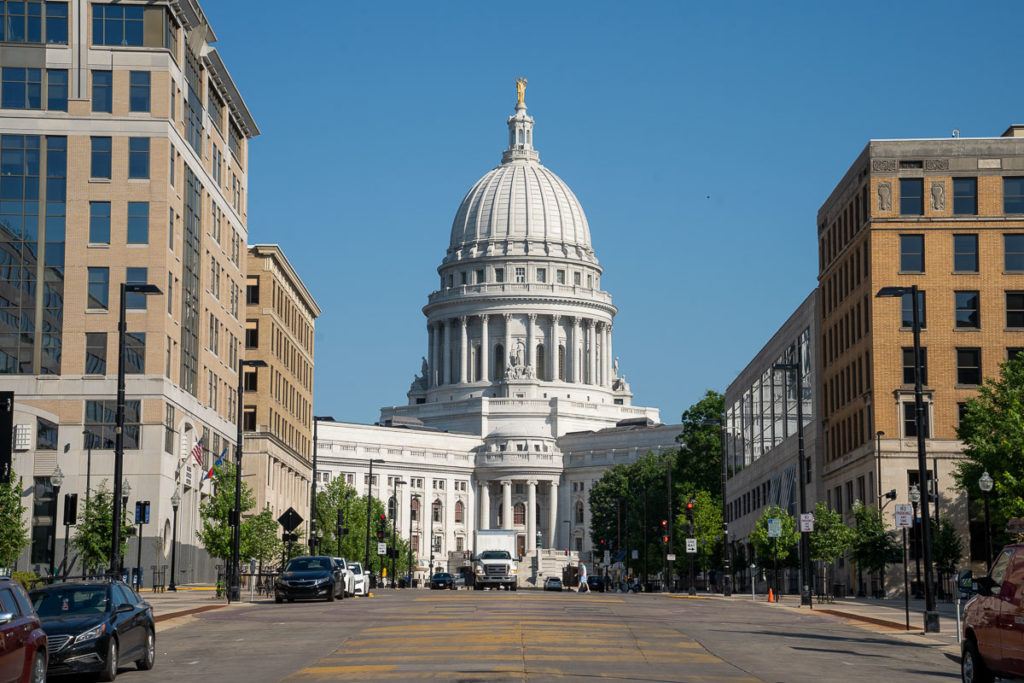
x: 218, y: 463
x: 197, y: 452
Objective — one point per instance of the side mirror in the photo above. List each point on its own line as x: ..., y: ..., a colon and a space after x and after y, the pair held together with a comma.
x: 983, y: 585
x: 124, y: 608
x: 6, y: 618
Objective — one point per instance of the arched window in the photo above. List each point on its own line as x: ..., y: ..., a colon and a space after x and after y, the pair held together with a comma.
x: 435, y: 511
x: 579, y: 512
x: 459, y: 511
x: 520, y: 514
x: 391, y: 507
x: 414, y: 510
x: 499, y: 361
x: 477, y: 364
x: 519, y: 136
x: 561, y: 363
x: 540, y: 362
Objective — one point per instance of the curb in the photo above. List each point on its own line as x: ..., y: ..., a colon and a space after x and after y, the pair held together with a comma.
x: 870, y: 620
x: 185, y: 612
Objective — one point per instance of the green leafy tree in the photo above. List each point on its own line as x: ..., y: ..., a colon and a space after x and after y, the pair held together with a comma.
x: 261, y: 538
x: 609, y: 498
x: 13, y: 531
x: 707, y: 529
x: 947, y: 546
x: 773, y: 551
x: 831, y: 538
x: 215, y: 513
x: 874, y: 546
x: 699, y: 462
x: 93, y: 537
x: 992, y: 429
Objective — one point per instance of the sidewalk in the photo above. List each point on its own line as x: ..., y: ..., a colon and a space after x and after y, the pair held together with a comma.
x: 187, y: 600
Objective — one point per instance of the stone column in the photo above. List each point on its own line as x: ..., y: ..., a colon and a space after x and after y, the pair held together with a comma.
x: 463, y: 350
x: 485, y: 505
x: 609, y: 358
x: 506, y: 504
x: 429, y: 379
x: 485, y: 351
x: 599, y: 354
x: 591, y: 353
x: 508, y: 339
x: 435, y: 355
x: 577, y: 364
x: 553, y: 350
x: 530, y: 340
x: 446, y: 352
x: 553, y: 516
x: 531, y: 516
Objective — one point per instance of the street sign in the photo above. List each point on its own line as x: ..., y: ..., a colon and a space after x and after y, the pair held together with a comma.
x: 635, y: 555
x: 607, y: 557
x: 774, y: 527
x: 671, y: 557
x: 382, y: 548
x: 691, y: 546
x: 290, y: 519
x: 807, y: 522
x: 904, y: 515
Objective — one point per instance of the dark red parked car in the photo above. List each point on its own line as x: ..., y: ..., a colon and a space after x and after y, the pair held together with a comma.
x: 993, y: 642
x: 22, y: 641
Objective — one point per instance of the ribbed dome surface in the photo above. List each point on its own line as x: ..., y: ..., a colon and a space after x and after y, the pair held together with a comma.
x: 520, y: 201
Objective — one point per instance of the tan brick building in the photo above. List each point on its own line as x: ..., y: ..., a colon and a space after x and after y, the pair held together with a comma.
x: 948, y: 216
x: 278, y: 399
x: 124, y: 159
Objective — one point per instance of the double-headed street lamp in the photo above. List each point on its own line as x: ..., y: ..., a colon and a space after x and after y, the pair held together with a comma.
x: 56, y: 479
x: 931, y: 615
x: 312, y: 489
x: 235, y: 570
x: 175, y: 503
x: 369, y: 512
x: 144, y: 289
x: 985, y: 483
x: 797, y: 369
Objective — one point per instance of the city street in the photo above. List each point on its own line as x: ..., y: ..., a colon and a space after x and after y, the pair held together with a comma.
x: 465, y: 635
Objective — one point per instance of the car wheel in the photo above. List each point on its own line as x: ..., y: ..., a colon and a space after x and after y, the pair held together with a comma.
x: 109, y: 672
x: 278, y: 599
x: 149, y: 656
x: 38, y: 674
x: 972, y: 666
x: 330, y: 594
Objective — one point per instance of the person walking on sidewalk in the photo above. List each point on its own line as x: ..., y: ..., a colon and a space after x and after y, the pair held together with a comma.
x: 583, y: 588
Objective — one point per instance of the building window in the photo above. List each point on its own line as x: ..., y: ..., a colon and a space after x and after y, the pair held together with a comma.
x: 46, y: 435
x: 1013, y: 195
x: 138, y: 158
x: 965, y: 253
x: 1013, y: 253
x: 460, y: 511
x: 912, y: 196
x: 968, y: 313
x: 968, y: 366
x: 1013, y: 351
x: 99, y: 288
x: 95, y: 353
x: 99, y: 222
x: 57, y: 89
x: 101, y: 155
x: 135, y: 301
x: 965, y: 196
x: 499, y: 273
x: 910, y: 421
x: 252, y: 292
x: 911, y: 253
x: 103, y: 91
x: 139, y: 91
x: 252, y: 334
x: 100, y: 423
x: 908, y: 310
x: 560, y: 277
x: 436, y: 510
x: 414, y: 511
x: 577, y: 278
x: 135, y: 353
x: 117, y: 24
x: 249, y: 418
x: 542, y: 275
x: 1015, y: 309
x: 579, y: 512
x: 21, y: 88
x: 479, y: 276
x: 520, y: 274
x: 23, y: 22
x: 908, y: 365
x: 519, y: 514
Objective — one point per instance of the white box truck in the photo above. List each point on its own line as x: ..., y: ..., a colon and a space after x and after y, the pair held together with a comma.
x: 494, y: 559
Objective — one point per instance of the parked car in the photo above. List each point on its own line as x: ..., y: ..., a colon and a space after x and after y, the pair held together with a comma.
x: 458, y: 581
x: 21, y: 636
x: 346, y: 576
x: 442, y: 581
x: 96, y: 627
x: 359, y: 585
x: 309, y: 577
x: 553, y: 583
x: 595, y: 583
x: 993, y: 641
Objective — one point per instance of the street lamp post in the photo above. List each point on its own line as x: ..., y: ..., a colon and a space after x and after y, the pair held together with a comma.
x: 915, y: 500
x: 415, y: 496
x: 312, y: 489
x: 175, y: 502
x: 931, y: 615
x: 144, y: 289
x: 235, y: 569
x: 56, y: 479
x: 369, y: 512
x: 394, y: 535
x: 797, y: 369
x: 727, y: 579
x: 878, y: 459
x: 985, y: 483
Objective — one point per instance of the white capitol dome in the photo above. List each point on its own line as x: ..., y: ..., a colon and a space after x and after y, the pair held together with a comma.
x: 520, y: 206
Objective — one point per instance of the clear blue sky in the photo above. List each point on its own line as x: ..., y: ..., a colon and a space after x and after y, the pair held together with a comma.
x: 701, y: 139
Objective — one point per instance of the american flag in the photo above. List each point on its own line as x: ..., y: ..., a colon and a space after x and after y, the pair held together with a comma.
x: 197, y: 452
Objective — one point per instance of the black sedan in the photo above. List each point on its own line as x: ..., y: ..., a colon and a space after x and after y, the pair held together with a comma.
x: 95, y: 627
x: 442, y: 581
x: 311, y: 577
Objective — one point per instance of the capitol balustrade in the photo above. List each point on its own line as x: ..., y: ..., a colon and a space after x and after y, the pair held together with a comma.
x: 519, y: 459
x: 520, y: 288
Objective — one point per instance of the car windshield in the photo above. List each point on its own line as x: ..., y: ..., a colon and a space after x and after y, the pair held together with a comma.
x: 442, y: 576
x: 356, y: 568
x: 309, y: 564
x: 67, y: 601
x: 495, y: 555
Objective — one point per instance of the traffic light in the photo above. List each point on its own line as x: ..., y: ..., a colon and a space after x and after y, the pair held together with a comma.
x: 382, y: 526
x: 689, y: 510
x: 664, y: 539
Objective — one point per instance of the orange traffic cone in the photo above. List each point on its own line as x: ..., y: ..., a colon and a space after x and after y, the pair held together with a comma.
x: 771, y: 595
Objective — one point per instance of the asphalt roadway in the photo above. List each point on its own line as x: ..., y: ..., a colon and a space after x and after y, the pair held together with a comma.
x: 528, y: 635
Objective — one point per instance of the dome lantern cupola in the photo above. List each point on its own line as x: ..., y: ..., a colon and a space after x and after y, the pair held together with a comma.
x: 520, y: 130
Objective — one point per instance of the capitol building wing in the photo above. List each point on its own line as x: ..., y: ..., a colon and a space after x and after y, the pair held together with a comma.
x: 520, y: 403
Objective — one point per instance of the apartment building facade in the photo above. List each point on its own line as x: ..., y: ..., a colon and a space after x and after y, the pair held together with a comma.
x: 278, y: 399
x: 124, y: 145
x: 948, y: 216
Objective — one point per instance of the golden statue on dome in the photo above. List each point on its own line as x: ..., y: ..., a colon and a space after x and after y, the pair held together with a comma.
x: 521, y: 91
